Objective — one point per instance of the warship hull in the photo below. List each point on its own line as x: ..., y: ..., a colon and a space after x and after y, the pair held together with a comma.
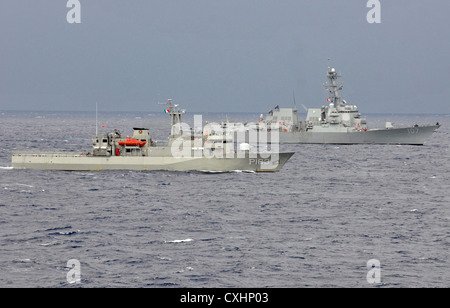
x: 78, y: 162
x: 339, y: 122
x: 405, y: 136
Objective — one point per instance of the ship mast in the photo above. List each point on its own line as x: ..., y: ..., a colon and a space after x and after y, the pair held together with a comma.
x: 175, y: 117
x: 333, y: 86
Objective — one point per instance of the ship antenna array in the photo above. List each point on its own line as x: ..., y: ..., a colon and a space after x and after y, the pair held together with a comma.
x: 171, y: 108
x: 333, y: 86
x: 96, y: 118
x: 175, y: 113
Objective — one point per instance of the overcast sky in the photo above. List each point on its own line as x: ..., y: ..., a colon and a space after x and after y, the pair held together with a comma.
x: 223, y: 55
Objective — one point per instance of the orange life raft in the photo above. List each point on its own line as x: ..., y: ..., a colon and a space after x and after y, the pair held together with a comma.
x: 132, y: 142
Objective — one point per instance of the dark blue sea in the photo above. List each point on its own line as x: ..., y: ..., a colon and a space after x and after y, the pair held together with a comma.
x: 316, y: 223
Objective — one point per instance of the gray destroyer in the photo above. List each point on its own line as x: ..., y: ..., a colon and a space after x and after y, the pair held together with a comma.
x: 340, y: 123
x: 184, y: 151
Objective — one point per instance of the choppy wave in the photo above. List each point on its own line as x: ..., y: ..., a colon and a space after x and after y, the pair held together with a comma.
x: 231, y: 171
x: 315, y: 223
x: 180, y: 241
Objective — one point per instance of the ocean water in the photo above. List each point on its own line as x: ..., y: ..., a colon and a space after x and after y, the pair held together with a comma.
x: 316, y: 223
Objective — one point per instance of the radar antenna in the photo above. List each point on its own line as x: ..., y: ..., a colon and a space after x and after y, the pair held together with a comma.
x: 333, y: 86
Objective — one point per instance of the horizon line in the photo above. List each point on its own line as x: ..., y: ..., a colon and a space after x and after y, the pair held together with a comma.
x: 197, y: 112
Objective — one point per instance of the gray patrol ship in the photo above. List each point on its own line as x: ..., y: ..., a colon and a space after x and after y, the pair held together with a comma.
x: 183, y: 152
x: 340, y: 123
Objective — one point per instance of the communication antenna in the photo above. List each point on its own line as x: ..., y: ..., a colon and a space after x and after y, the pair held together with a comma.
x: 96, y: 118
x: 293, y: 95
x: 175, y: 114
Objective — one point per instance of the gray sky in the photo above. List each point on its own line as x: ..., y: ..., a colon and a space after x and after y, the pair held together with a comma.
x: 223, y: 55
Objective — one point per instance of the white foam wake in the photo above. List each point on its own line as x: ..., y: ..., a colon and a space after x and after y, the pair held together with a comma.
x: 180, y: 241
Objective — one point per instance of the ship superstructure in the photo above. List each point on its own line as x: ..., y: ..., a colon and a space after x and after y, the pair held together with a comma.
x: 340, y: 123
x: 185, y: 151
